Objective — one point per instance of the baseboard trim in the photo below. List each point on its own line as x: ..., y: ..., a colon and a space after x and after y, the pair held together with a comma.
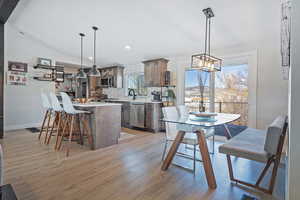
x: 21, y: 126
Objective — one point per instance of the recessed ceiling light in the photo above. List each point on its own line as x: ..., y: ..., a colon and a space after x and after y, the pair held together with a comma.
x: 90, y: 58
x: 127, y: 47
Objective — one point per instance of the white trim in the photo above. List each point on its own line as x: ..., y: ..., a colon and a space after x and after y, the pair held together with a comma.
x: 21, y: 126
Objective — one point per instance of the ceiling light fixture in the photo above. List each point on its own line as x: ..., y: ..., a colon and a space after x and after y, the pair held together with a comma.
x: 94, y: 71
x: 127, y: 47
x: 205, y: 61
x: 81, y: 74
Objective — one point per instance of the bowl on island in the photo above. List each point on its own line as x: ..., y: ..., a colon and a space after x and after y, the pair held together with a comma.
x: 82, y: 100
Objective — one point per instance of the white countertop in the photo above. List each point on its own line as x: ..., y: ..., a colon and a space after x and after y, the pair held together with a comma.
x: 95, y: 104
x: 136, y: 101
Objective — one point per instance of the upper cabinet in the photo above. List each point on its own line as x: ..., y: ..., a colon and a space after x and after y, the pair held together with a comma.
x: 155, y: 71
x: 112, y: 77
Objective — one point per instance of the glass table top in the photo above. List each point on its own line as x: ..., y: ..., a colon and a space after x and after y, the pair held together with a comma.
x: 221, y: 118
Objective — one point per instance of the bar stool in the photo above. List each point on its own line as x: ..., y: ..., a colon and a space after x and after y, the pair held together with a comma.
x: 71, y: 112
x: 47, y: 118
x: 58, y: 112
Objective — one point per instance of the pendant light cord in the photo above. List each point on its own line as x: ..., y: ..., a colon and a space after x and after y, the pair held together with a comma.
x: 209, y: 23
x: 206, y: 35
x: 95, y: 29
x: 81, y: 50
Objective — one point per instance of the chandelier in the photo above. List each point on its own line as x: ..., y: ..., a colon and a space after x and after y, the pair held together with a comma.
x: 205, y: 61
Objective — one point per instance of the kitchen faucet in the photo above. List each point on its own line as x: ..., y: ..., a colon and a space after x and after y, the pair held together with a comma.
x: 131, y: 92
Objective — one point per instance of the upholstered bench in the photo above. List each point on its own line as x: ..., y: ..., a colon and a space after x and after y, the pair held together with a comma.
x: 258, y: 145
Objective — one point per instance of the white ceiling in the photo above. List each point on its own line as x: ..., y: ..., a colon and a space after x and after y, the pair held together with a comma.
x: 153, y: 28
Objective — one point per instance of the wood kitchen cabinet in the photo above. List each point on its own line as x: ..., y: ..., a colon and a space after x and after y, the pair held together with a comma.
x: 155, y: 72
x: 125, y: 114
x: 153, y: 117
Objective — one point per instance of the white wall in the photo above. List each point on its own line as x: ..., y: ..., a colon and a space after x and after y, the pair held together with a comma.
x: 22, y: 104
x: 293, y: 181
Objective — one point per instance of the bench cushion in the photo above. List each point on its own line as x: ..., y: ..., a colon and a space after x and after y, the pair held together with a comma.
x: 248, y: 144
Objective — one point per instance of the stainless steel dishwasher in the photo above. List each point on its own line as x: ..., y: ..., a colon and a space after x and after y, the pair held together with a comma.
x: 137, y: 115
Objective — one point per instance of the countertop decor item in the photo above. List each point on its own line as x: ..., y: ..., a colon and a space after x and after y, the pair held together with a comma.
x: 94, y: 71
x: 205, y: 61
x: 17, y: 66
x: 81, y: 73
x: 44, y: 61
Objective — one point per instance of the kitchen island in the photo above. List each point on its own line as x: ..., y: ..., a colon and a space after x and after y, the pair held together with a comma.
x: 104, y: 122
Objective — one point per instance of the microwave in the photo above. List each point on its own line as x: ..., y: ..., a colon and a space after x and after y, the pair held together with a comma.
x: 107, y: 81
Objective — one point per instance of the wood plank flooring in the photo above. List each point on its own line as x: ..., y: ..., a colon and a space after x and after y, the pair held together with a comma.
x: 129, y: 170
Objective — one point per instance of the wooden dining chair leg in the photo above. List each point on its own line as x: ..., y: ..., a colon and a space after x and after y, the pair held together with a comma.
x: 209, y: 172
x: 43, y: 124
x: 70, y: 135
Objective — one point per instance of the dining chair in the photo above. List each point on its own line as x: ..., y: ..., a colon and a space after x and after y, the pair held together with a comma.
x: 261, y: 146
x: 47, y: 117
x: 171, y: 133
x: 71, y: 113
x: 209, y: 132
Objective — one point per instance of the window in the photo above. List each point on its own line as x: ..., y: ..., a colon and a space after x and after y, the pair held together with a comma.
x: 197, y: 89
x: 230, y: 91
x: 136, y: 81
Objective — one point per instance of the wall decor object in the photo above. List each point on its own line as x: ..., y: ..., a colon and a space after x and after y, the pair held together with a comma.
x: 16, y: 78
x: 286, y: 7
x: 44, y: 61
x: 48, y: 73
x: 17, y: 66
x: 59, y: 74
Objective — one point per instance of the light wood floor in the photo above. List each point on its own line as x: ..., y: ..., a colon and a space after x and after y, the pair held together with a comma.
x: 129, y: 170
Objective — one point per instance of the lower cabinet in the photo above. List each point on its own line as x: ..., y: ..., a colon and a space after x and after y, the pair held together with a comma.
x: 151, y: 117
x: 125, y: 115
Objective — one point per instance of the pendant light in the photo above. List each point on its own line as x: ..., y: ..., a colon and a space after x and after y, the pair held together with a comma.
x: 81, y: 74
x: 205, y: 61
x: 94, y: 71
